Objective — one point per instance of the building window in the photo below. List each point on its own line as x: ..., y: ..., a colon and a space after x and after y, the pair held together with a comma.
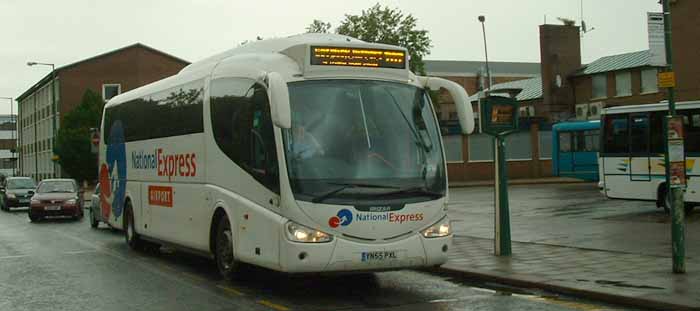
x: 453, y: 148
x: 623, y: 83
x: 110, y: 90
x: 600, y: 86
x: 650, y: 81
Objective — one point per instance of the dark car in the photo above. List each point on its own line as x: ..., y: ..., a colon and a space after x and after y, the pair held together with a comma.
x: 16, y: 192
x: 56, y: 197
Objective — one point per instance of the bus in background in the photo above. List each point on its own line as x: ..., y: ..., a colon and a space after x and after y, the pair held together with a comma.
x: 632, y: 152
x: 312, y: 153
x: 575, y: 147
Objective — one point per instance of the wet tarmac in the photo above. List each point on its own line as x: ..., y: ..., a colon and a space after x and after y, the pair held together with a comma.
x: 66, y: 265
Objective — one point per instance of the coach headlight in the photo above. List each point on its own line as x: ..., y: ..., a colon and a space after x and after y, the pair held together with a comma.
x: 299, y: 233
x: 441, y: 228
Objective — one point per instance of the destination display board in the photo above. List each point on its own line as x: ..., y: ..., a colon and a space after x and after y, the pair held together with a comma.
x: 357, y: 57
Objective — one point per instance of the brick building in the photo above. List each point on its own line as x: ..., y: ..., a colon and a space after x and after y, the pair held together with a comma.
x: 108, y: 74
x: 566, y: 89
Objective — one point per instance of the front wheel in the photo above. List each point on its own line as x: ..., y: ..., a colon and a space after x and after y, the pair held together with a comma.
x: 33, y: 217
x: 225, y: 260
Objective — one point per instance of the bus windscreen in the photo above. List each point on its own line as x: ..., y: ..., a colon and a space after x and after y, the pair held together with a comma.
x: 357, y: 57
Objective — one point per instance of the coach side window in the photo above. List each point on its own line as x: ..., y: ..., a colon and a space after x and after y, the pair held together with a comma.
x: 242, y: 127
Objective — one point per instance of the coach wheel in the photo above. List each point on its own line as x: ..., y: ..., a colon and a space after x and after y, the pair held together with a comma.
x: 132, y: 238
x: 225, y: 259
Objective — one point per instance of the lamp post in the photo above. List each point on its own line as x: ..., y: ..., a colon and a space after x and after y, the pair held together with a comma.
x: 502, y: 244
x: 12, y: 135
x: 53, y: 107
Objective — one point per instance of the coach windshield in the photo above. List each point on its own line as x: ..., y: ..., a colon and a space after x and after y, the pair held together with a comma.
x: 357, y: 140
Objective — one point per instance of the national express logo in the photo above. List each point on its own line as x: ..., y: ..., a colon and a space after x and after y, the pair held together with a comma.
x: 113, y: 173
x: 345, y: 217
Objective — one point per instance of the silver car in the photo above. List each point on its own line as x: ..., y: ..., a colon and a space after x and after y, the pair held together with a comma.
x: 95, y: 209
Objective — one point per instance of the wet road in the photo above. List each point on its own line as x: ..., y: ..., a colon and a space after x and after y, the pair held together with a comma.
x: 66, y: 265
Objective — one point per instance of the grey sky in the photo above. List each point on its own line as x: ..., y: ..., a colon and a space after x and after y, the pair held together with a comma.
x: 66, y: 31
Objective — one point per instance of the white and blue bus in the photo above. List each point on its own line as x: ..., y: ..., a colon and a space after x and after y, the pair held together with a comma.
x: 632, y: 153
x: 312, y: 153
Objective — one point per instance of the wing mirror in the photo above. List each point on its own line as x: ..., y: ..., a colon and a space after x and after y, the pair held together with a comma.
x: 459, y: 95
x: 278, y: 92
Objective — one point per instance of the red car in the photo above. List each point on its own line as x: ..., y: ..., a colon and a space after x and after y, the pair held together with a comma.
x: 56, y: 197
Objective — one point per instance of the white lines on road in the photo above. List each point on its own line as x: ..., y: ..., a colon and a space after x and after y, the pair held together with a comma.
x: 13, y: 257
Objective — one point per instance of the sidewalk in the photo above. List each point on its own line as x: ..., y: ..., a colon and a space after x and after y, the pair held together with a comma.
x: 644, y: 281
x: 529, y: 181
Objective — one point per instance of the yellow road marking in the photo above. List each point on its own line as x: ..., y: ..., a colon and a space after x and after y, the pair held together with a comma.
x: 231, y: 290
x: 273, y: 305
x: 569, y: 304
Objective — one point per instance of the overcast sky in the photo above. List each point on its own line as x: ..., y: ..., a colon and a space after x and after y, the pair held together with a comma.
x: 66, y: 31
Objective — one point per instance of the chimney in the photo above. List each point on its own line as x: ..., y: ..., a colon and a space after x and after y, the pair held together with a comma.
x: 560, y: 56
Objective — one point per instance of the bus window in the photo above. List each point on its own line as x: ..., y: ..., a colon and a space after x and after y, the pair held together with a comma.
x: 639, y: 134
x: 565, y: 142
x: 616, y: 134
x: 657, y: 134
x: 692, y: 130
x: 242, y: 127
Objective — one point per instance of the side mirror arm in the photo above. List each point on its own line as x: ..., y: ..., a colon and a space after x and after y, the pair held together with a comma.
x: 465, y: 112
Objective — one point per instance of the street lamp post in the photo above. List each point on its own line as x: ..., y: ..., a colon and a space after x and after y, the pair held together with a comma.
x: 53, y: 107
x: 12, y: 135
x: 502, y: 244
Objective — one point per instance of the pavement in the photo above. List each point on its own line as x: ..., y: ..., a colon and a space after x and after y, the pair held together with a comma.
x: 569, y: 239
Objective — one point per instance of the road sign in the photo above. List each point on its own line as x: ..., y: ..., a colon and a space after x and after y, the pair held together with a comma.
x: 499, y: 115
x: 667, y: 79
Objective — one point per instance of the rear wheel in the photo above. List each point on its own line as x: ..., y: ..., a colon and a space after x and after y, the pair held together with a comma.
x: 665, y: 200
x: 132, y: 238
x: 225, y: 259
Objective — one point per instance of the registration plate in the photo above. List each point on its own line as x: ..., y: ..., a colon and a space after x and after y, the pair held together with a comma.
x: 23, y: 200
x: 379, y: 256
x: 52, y: 208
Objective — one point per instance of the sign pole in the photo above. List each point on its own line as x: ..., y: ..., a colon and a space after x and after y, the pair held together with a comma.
x: 502, y: 214
x: 675, y: 154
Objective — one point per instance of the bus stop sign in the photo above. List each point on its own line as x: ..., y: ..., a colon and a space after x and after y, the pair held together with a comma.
x: 499, y: 115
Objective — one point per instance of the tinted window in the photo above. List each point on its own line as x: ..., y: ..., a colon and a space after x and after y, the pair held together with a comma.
x: 565, y: 141
x: 173, y: 112
x: 692, y: 129
x: 656, y: 139
x: 639, y: 133
x: 242, y: 127
x: 616, y: 136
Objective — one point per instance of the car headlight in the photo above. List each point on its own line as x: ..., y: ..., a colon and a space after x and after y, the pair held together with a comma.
x: 299, y: 233
x: 71, y: 201
x: 34, y: 201
x: 441, y: 228
x: 11, y: 196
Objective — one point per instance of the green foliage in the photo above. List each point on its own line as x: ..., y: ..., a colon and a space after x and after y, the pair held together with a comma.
x: 73, y: 139
x: 389, y: 26
x: 318, y: 26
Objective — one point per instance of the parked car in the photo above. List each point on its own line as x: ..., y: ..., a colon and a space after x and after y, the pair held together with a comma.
x: 95, y: 209
x: 16, y: 192
x: 56, y: 197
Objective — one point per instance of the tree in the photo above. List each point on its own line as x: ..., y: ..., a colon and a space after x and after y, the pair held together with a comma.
x: 73, y: 139
x: 318, y: 26
x: 389, y: 26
